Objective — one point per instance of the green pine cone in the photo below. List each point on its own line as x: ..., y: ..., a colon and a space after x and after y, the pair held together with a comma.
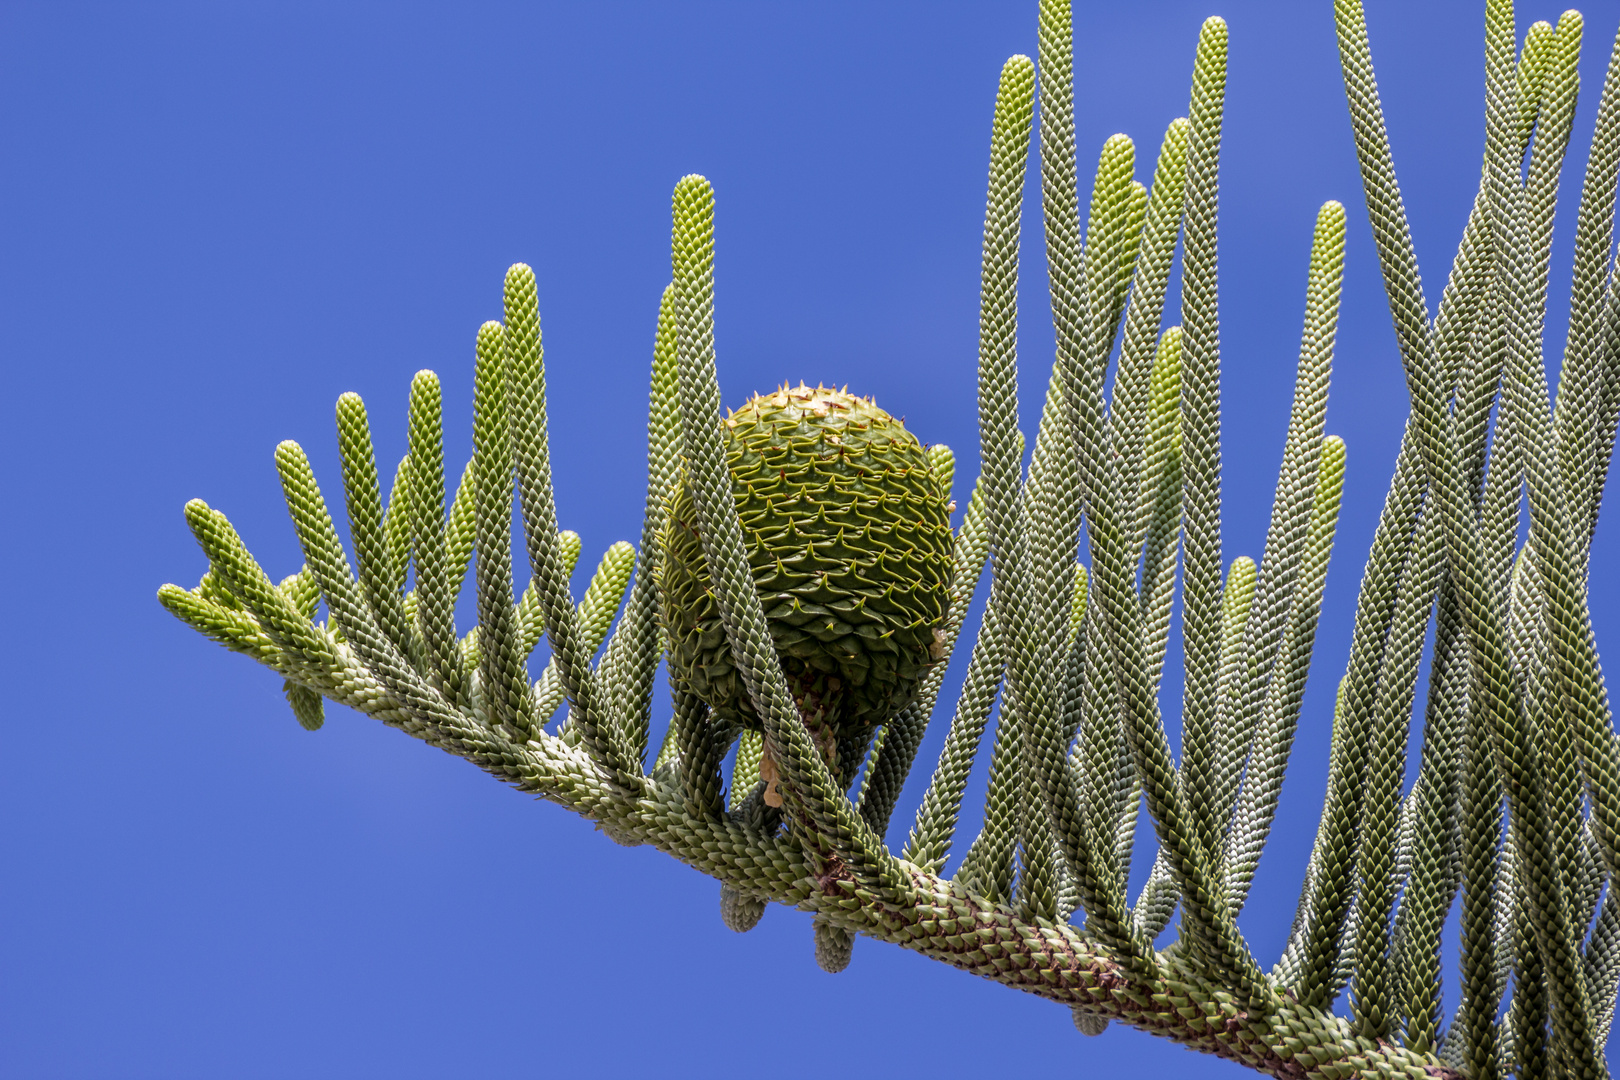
x: 849, y: 540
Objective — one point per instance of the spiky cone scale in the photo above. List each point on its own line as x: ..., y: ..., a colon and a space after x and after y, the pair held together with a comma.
x: 849, y: 542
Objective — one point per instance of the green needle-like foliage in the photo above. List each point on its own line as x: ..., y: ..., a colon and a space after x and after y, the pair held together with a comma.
x: 1512, y: 814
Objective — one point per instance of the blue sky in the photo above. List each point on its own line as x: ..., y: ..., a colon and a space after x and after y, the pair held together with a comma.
x: 215, y: 218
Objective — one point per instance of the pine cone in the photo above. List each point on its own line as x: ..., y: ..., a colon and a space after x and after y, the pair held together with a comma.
x: 848, y: 536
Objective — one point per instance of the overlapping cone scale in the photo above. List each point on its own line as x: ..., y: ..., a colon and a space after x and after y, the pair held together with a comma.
x: 849, y: 540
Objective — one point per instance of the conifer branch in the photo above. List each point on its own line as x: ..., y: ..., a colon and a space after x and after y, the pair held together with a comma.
x: 1513, y: 817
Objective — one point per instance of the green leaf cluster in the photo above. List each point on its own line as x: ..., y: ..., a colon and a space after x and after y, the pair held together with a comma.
x: 1090, y: 530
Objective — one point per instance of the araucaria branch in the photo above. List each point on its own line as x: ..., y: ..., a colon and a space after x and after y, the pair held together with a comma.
x: 799, y: 577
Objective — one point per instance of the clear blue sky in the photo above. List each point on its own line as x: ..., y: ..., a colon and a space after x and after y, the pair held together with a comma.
x: 215, y: 218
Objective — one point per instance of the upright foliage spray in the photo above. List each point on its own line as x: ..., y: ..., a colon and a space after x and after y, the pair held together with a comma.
x: 799, y: 578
